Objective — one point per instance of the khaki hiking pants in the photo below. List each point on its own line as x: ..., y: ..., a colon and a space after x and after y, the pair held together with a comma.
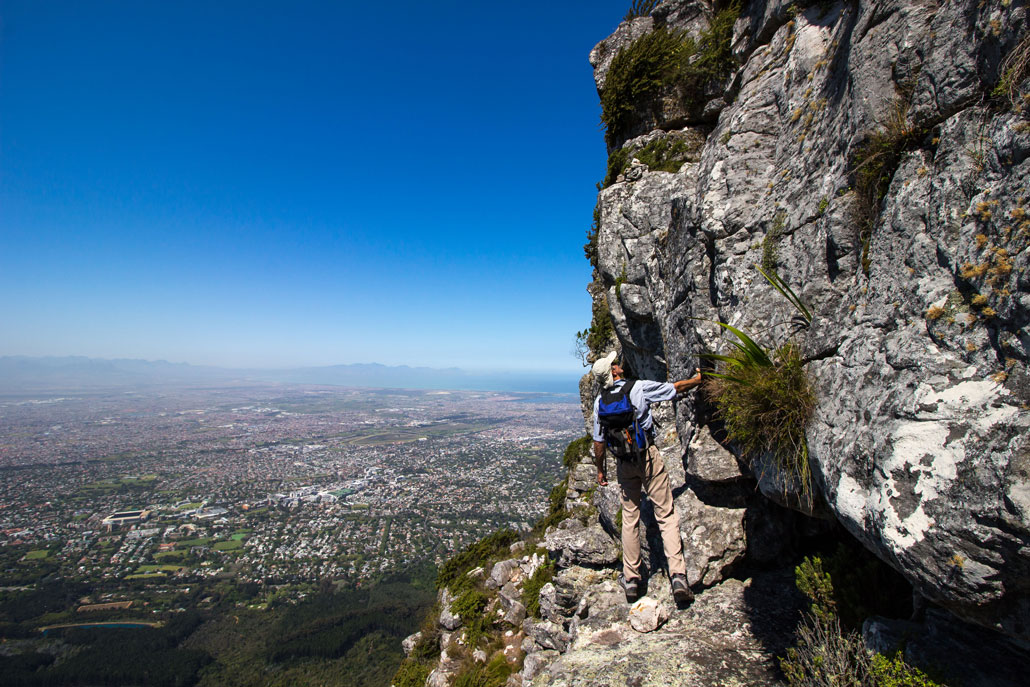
x: 649, y: 473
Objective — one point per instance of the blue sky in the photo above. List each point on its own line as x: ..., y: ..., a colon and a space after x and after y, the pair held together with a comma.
x: 298, y: 183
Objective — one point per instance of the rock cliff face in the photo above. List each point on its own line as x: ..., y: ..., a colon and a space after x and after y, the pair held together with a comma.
x: 875, y: 155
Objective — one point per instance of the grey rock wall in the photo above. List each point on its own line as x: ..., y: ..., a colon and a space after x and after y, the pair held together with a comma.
x: 919, y: 345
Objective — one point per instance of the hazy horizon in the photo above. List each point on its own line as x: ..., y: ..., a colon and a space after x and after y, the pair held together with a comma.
x: 296, y: 366
x: 31, y: 374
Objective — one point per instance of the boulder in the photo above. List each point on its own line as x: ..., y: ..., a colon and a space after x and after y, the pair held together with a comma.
x: 589, y: 546
x: 516, y: 614
x: 710, y: 461
x: 550, y: 608
x: 508, y: 594
x: 443, y: 674
x: 409, y: 642
x: 535, y: 662
x: 583, y: 477
x: 502, y: 572
x: 448, y: 620
x: 600, y: 608
x: 713, y: 538
x: 647, y: 615
x: 546, y: 634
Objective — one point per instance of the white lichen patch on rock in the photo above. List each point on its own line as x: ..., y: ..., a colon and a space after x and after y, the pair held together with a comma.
x: 920, y: 453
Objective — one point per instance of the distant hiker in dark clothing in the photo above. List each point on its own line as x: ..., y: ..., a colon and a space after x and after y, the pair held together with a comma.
x: 639, y: 464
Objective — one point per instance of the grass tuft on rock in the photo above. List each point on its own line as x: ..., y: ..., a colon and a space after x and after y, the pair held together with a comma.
x: 874, y: 164
x: 766, y: 407
x: 764, y: 397
x: 1014, y: 71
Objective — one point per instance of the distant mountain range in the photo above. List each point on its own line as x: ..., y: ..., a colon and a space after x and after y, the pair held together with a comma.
x: 23, y: 374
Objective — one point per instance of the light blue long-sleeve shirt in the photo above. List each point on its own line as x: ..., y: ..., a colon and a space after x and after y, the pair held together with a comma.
x: 641, y: 396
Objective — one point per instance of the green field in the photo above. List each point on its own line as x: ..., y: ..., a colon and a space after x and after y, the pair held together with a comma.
x: 394, y: 435
x: 230, y: 545
x: 119, y: 456
x: 106, y: 486
x: 203, y: 541
x: 165, y: 555
x: 145, y: 576
x: 190, y: 506
x: 159, y: 568
x: 141, y: 479
x: 36, y: 555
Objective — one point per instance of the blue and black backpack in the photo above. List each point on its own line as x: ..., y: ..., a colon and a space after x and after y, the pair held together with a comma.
x: 623, y: 434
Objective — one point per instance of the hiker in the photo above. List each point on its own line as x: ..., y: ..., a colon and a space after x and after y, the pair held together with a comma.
x: 639, y: 464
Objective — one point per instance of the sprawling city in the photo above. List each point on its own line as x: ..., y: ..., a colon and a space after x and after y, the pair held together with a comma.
x: 129, y: 507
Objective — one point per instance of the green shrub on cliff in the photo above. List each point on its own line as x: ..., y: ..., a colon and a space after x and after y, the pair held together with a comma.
x: 557, y: 512
x: 411, y: 674
x: 531, y: 588
x: 414, y: 670
x: 894, y: 672
x: 640, y: 8
x: 577, y: 449
x: 469, y: 605
x: 590, y: 247
x: 827, y: 655
x: 493, y: 674
x: 452, y: 572
x: 665, y: 154
x: 638, y: 74
x: 601, y: 333
x: 665, y: 61
x: 617, y: 163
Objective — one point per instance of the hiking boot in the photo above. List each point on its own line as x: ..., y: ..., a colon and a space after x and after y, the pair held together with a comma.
x: 680, y: 589
x: 632, y: 588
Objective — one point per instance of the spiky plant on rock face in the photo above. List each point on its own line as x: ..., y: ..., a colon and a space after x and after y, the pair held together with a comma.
x: 765, y: 398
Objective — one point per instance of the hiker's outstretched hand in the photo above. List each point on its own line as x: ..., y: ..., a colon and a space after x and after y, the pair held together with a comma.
x: 684, y: 385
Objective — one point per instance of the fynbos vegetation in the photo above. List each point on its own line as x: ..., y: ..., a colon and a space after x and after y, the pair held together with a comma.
x: 665, y: 62
x: 874, y: 165
x: 764, y: 397
x: 828, y: 654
